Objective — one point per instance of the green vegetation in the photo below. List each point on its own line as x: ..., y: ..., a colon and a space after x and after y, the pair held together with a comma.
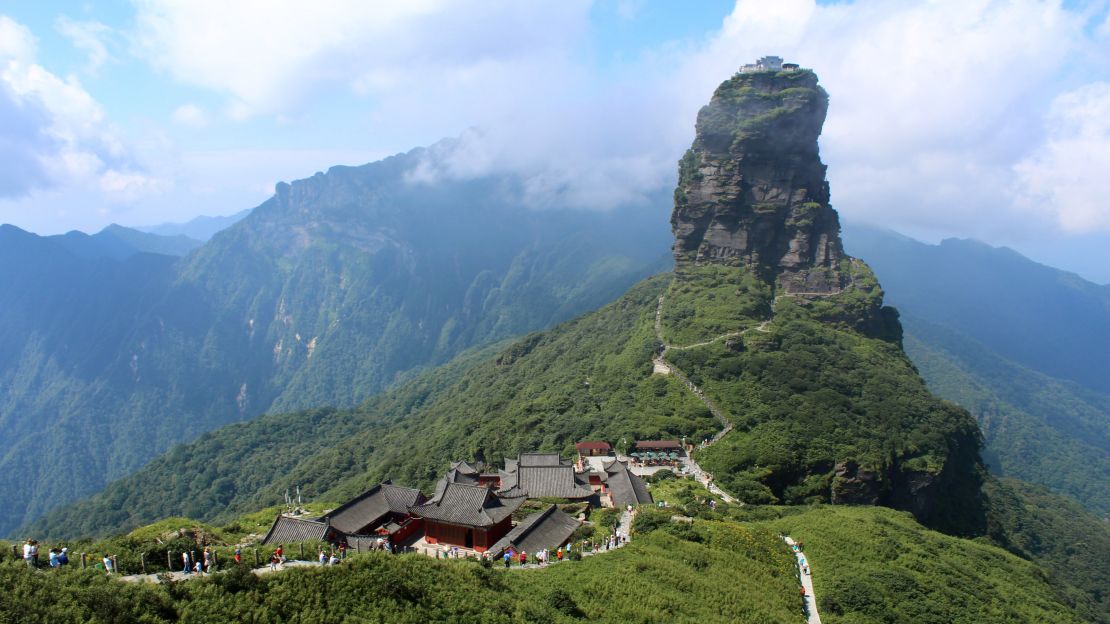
x: 1022, y: 346
x: 825, y: 413
x: 873, y: 565
x: 704, y: 302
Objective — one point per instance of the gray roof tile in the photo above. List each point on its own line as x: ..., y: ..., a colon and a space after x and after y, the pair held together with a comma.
x: 469, y: 505
x: 549, y: 528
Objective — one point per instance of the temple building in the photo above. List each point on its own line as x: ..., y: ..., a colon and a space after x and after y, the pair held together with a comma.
x: 544, y: 475
x: 290, y: 529
x: 550, y: 528
x: 624, y: 487
x: 383, y: 510
x: 466, y: 515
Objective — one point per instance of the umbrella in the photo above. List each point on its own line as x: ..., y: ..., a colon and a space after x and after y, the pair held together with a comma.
x: 674, y: 455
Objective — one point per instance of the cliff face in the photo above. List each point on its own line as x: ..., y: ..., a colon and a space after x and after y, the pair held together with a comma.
x: 752, y: 189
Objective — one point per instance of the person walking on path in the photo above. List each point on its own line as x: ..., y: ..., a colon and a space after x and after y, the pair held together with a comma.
x: 238, y: 556
x: 187, y: 566
x: 508, y: 559
x: 273, y: 562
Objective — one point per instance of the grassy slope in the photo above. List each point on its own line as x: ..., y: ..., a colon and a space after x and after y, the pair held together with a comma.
x: 874, y: 565
x: 807, y: 394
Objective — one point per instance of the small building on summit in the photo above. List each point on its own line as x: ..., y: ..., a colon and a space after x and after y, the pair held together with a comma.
x: 471, y: 473
x: 470, y: 516
x: 550, y: 528
x: 383, y: 510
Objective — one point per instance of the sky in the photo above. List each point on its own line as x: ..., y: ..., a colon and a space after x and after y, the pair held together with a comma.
x: 971, y: 118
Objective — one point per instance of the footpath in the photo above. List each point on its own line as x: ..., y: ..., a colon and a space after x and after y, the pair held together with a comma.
x: 805, y: 573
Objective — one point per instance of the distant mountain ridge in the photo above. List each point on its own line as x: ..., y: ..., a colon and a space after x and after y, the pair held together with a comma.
x: 337, y: 287
x: 1021, y: 345
x: 199, y: 228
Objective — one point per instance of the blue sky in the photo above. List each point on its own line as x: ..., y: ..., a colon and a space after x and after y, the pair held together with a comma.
x: 978, y: 118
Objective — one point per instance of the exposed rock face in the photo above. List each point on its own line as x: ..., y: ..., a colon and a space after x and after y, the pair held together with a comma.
x: 752, y: 188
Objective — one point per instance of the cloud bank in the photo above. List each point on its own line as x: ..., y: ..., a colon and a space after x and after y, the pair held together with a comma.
x: 978, y: 118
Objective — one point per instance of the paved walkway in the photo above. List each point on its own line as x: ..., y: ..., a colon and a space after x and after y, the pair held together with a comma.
x: 661, y: 365
x: 807, y: 582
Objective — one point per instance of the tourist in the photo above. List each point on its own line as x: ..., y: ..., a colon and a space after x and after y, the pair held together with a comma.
x: 559, y: 554
x: 198, y: 567
x: 28, y: 558
x: 238, y: 555
x: 35, y: 553
x: 207, y: 560
x: 54, y: 552
x: 109, y: 566
x: 273, y: 562
x: 508, y: 558
x: 322, y: 557
x: 523, y: 558
x: 63, y: 557
x: 187, y: 565
x: 280, y: 552
x: 342, y: 550
x: 334, y: 559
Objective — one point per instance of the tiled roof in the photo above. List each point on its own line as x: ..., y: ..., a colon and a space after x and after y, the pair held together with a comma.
x: 540, y: 459
x: 469, y: 505
x: 370, y: 506
x: 549, y: 528
x: 659, y: 444
x: 558, y: 481
x: 626, y: 488
x: 590, y: 446
x: 467, y: 468
x: 287, y: 529
x: 362, y: 543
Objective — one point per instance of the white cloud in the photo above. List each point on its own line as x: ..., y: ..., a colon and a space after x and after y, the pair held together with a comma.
x: 190, y: 115
x: 931, y: 104
x: 87, y: 37
x: 1066, y: 178
x: 55, y: 133
x: 271, y: 56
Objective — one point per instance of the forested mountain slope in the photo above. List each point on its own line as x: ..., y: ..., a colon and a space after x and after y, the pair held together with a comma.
x: 337, y: 287
x: 966, y: 306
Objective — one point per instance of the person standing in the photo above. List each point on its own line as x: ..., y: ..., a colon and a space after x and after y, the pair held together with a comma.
x: 63, y: 557
x: 187, y: 566
x: 35, y: 553
x: 27, y: 556
x: 207, y: 560
x: 109, y: 566
x: 508, y: 558
x: 322, y: 557
x: 238, y: 555
x: 54, y: 552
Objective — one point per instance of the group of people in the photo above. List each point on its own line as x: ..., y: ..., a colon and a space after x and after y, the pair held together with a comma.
x: 204, y: 564
x: 542, y: 557
x: 332, y: 558
x: 58, y: 556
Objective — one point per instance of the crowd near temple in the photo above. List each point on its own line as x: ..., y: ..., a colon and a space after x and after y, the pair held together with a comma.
x: 473, y: 506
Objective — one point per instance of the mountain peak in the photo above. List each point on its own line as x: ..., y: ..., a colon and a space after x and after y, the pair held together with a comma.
x: 752, y: 189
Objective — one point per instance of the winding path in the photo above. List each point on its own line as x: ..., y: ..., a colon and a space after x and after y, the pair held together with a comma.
x: 812, y: 617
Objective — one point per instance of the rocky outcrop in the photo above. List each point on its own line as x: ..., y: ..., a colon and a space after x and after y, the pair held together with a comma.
x: 752, y: 188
